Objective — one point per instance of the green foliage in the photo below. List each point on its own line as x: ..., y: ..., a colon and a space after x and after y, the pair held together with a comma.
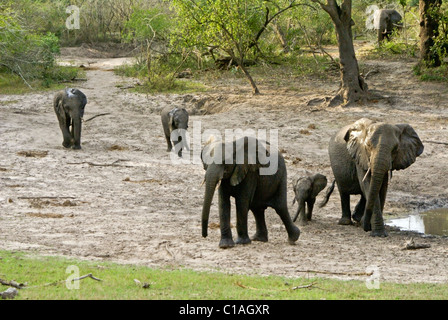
x: 438, y: 74
x: 26, y: 53
x: 227, y: 24
x: 145, y: 24
x: 440, y: 46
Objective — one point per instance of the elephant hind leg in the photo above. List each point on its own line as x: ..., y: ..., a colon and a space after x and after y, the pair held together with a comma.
x: 291, y: 228
x: 359, y: 209
x: 346, y: 214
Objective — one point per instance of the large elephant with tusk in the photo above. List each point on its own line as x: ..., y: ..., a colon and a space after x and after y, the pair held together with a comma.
x: 363, y: 156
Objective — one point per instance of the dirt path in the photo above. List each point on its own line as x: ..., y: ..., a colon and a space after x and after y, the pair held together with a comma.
x: 121, y: 199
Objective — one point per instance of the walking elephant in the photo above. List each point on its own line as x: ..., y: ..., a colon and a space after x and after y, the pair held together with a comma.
x: 175, y: 125
x: 306, y: 188
x: 363, y: 156
x: 385, y: 22
x: 236, y: 167
x: 69, y: 107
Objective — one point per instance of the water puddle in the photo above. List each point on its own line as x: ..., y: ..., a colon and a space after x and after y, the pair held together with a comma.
x: 431, y: 222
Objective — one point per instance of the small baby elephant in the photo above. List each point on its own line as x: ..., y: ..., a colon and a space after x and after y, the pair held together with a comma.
x: 306, y: 189
x: 69, y: 107
x: 175, y: 125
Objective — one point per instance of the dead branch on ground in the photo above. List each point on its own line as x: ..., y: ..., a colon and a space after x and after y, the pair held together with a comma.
x: 338, y: 273
x: 113, y: 164
x: 12, y: 283
x: 98, y: 115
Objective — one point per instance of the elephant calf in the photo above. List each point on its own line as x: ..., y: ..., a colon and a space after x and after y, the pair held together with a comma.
x: 175, y: 125
x: 69, y: 107
x: 306, y: 189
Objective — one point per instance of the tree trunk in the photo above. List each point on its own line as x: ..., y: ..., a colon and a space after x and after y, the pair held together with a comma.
x: 249, y: 77
x: 429, y: 28
x: 281, y: 36
x: 353, y: 88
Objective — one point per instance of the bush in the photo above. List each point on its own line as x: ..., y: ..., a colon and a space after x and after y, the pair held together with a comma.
x: 27, y: 54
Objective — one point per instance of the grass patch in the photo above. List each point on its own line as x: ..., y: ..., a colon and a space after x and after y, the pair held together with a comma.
x: 392, y: 50
x: 439, y: 74
x: 273, y: 73
x: 53, y: 79
x: 45, y: 279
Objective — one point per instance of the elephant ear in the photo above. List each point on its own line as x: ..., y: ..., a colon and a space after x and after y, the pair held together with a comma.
x: 356, y: 137
x: 171, y: 119
x: 319, y: 183
x: 246, y: 157
x: 409, y: 147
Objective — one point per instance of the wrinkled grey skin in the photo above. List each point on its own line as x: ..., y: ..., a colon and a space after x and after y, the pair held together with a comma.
x: 175, y: 125
x: 251, y: 191
x: 388, y: 20
x: 363, y: 156
x: 69, y: 107
x: 306, y: 189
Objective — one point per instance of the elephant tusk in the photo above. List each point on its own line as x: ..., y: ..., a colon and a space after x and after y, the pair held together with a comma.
x: 365, y: 176
x: 202, y: 183
x: 218, y: 185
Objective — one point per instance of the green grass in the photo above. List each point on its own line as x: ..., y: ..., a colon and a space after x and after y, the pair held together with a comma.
x: 45, y: 279
x: 438, y: 74
x: 55, y: 78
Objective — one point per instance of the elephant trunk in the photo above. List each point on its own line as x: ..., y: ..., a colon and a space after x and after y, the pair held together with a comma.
x: 379, y: 168
x: 211, y: 181
x: 300, y: 208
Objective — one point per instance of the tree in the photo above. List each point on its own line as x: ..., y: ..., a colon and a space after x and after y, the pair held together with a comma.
x: 429, y: 30
x: 234, y: 26
x: 353, y: 88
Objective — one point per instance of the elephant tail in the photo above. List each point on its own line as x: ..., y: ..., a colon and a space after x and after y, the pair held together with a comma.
x: 328, y: 193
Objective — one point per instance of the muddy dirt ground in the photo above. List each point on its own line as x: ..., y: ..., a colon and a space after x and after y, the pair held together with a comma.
x: 121, y: 199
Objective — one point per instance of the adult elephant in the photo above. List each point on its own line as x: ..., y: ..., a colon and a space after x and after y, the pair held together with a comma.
x: 175, y: 125
x: 363, y: 156
x: 385, y: 21
x: 69, y: 107
x: 236, y: 167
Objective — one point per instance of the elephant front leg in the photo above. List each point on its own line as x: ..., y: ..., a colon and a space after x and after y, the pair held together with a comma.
x: 64, y: 124
x: 310, y: 206
x: 242, y: 209
x: 377, y: 222
x: 262, y: 231
x: 224, y: 220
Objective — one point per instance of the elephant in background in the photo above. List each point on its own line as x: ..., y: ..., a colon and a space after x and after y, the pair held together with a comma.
x: 385, y: 21
x: 306, y: 188
x: 238, y: 175
x: 363, y: 156
x: 69, y: 107
x: 175, y: 125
